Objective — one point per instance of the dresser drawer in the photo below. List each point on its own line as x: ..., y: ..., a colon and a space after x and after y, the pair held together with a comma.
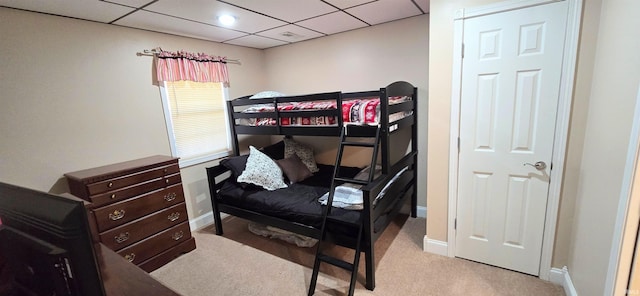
x: 131, y: 191
x: 90, y: 182
x: 125, y: 235
x: 124, y: 181
x: 123, y: 212
x: 156, y: 244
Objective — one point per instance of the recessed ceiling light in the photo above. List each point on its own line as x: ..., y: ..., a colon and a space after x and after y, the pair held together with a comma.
x: 227, y: 20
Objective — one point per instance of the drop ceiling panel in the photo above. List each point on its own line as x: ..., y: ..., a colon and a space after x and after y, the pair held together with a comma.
x: 166, y: 24
x: 299, y: 19
x: 333, y: 23
x: 256, y: 42
x: 383, y: 11
x: 98, y: 11
x: 207, y: 11
x: 287, y: 10
x: 132, y: 3
x: 424, y: 5
x: 344, y: 4
x: 290, y: 33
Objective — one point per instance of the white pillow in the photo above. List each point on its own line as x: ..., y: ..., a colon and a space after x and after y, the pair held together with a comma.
x: 263, y: 171
x: 267, y: 94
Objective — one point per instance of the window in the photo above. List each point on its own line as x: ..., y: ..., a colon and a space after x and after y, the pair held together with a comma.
x: 196, y: 120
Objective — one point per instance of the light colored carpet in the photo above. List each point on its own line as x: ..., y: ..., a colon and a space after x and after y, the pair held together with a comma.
x: 241, y: 263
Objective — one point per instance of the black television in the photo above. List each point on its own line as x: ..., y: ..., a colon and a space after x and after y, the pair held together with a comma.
x: 47, y: 244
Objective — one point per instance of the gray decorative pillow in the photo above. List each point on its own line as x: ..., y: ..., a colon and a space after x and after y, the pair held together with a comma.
x: 304, y: 152
x: 263, y: 171
x: 294, y: 168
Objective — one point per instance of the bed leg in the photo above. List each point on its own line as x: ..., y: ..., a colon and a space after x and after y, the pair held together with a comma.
x: 370, y: 268
x: 414, y: 205
x: 217, y: 220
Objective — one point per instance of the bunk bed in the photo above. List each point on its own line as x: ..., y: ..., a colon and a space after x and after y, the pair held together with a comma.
x: 297, y: 208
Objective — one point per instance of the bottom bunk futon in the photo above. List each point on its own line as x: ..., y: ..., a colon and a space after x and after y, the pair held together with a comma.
x: 296, y: 207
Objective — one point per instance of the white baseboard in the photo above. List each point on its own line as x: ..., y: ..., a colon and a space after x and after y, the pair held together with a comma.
x: 561, y: 277
x: 201, y: 221
x: 422, y: 212
x: 435, y: 246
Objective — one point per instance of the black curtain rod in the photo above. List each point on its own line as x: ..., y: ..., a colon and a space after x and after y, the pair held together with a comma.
x: 154, y: 52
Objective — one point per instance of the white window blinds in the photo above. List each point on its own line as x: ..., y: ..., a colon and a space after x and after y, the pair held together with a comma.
x: 196, y: 120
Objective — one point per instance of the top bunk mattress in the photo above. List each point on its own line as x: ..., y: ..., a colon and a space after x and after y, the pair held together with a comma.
x: 360, y: 111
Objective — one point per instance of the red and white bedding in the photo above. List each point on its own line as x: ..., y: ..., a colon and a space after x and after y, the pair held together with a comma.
x: 358, y: 111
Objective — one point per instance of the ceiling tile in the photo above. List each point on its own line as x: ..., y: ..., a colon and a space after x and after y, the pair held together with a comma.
x: 344, y: 4
x: 290, y: 33
x: 383, y: 11
x: 207, y: 11
x: 424, y: 5
x: 256, y: 42
x: 132, y: 3
x: 287, y: 10
x: 333, y: 23
x: 89, y: 10
x: 166, y: 24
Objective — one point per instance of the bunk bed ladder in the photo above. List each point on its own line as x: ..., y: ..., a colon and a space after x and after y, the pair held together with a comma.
x: 361, y: 131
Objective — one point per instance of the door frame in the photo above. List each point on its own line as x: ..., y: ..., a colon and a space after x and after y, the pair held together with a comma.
x: 574, y: 16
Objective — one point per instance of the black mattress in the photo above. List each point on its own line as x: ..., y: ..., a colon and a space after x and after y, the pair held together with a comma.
x: 296, y: 203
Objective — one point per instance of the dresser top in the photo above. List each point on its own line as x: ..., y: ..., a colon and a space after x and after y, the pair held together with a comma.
x: 121, y: 168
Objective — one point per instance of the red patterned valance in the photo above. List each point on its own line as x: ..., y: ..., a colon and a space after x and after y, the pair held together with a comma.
x: 198, y: 67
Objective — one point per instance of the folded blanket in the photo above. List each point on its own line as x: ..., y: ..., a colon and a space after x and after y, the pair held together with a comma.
x: 347, y: 196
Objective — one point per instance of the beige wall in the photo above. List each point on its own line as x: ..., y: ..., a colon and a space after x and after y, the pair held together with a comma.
x: 582, y: 88
x: 612, y: 100
x: 359, y: 60
x: 75, y: 95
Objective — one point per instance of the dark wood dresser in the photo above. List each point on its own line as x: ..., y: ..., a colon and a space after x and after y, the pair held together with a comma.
x: 137, y: 209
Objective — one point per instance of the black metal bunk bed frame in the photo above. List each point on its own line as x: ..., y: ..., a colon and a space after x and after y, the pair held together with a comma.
x: 404, y: 187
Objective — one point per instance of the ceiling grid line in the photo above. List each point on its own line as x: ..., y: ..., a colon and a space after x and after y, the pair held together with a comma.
x: 136, y: 9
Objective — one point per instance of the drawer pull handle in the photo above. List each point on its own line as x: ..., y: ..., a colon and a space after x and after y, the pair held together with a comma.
x: 113, y: 196
x: 177, y: 235
x: 116, y: 215
x: 110, y: 184
x: 170, y: 196
x: 122, y: 237
x: 173, y: 216
x: 166, y: 181
x: 130, y: 257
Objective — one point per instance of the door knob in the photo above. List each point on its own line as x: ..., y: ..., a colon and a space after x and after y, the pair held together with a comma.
x: 540, y: 165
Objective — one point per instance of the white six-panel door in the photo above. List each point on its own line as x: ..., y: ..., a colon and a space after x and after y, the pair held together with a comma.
x: 510, y: 87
